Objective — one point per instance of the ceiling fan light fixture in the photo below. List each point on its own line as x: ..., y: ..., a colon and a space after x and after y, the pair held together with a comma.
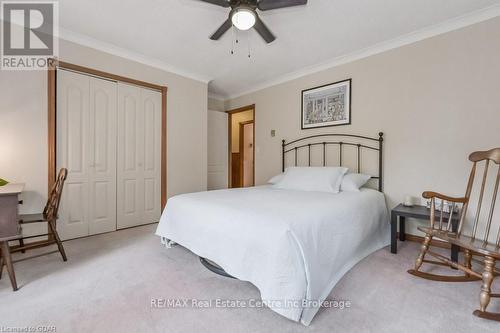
x: 243, y: 18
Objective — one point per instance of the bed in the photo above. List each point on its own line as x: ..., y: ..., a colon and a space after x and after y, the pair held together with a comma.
x: 294, y: 246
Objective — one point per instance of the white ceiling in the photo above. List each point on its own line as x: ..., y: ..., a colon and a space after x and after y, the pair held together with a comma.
x: 174, y: 34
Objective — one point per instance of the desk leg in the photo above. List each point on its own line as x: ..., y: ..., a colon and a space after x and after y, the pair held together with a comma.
x: 402, y: 228
x: 8, y: 262
x: 394, y: 227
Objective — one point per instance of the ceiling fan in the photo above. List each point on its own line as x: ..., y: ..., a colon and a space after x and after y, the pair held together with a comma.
x: 243, y: 15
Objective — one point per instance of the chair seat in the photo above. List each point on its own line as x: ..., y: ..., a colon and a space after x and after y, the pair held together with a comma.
x: 466, y: 242
x: 30, y: 218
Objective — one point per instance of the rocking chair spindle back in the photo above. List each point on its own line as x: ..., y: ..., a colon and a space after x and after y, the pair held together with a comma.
x: 475, y: 243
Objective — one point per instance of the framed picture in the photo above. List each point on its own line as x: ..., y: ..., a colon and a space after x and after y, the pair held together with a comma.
x: 328, y: 105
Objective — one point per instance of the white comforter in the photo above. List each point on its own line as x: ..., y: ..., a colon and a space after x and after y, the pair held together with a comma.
x: 292, y: 245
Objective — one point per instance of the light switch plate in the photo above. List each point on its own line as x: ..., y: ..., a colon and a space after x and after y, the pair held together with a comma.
x: 273, y: 133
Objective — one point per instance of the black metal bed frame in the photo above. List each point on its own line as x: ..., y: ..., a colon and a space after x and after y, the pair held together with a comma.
x: 295, y: 145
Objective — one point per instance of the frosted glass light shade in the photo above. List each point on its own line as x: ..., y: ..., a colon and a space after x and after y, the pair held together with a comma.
x: 243, y: 18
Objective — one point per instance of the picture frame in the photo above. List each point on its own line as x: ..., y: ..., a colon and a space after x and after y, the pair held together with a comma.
x: 326, y: 105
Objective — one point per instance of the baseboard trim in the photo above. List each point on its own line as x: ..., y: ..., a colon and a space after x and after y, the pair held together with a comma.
x: 420, y: 239
x: 108, y: 232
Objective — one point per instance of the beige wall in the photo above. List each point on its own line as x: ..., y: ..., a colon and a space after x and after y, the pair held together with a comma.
x: 216, y: 104
x: 23, y: 121
x: 435, y: 100
x: 236, y: 119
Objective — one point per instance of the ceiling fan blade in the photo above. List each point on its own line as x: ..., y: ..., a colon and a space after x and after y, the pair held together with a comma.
x: 275, y: 4
x: 222, y: 29
x: 222, y: 3
x: 263, y: 30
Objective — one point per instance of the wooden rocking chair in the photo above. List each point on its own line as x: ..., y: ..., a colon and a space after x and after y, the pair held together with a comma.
x: 49, y: 215
x: 471, y: 244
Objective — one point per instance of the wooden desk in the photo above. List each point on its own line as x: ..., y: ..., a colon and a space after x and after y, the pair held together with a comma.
x: 9, y: 226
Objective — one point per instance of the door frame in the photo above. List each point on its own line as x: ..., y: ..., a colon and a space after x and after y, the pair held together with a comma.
x: 54, y: 64
x: 242, y: 153
x: 230, y: 113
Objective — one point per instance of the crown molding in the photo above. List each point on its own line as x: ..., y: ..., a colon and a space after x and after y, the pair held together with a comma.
x: 413, y: 37
x: 85, y: 40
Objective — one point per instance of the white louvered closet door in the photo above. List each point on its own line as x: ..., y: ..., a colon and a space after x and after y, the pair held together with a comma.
x: 86, y: 146
x: 139, y: 151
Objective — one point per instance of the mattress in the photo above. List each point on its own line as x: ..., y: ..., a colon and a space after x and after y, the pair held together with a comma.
x: 294, y: 246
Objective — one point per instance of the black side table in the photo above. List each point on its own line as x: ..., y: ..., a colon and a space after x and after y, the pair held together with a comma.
x: 417, y: 212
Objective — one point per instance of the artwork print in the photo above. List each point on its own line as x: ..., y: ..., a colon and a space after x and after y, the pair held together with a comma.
x: 328, y: 105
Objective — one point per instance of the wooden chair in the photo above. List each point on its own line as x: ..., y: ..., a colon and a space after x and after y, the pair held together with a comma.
x: 472, y: 243
x: 48, y: 215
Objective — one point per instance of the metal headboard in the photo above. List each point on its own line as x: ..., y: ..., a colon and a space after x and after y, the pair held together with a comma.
x: 358, y: 141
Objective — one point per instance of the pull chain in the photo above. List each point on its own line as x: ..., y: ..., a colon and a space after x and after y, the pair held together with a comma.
x: 248, y: 43
x: 232, y: 40
x: 235, y: 40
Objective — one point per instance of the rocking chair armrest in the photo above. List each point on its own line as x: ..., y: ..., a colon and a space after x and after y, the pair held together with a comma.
x: 430, y: 195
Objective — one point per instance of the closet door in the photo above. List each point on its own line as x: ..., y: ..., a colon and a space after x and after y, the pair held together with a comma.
x: 73, y: 152
x: 102, y: 156
x: 217, y: 150
x: 129, y: 162
x: 86, y: 146
x: 138, y: 163
x: 151, y: 104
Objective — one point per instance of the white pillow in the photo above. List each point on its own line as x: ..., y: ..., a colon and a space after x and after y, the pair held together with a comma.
x: 353, y: 181
x: 276, y: 179
x: 321, y: 179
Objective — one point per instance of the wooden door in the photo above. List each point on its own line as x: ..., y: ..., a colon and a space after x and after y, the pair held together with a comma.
x: 237, y: 118
x: 217, y: 150
x: 246, y: 151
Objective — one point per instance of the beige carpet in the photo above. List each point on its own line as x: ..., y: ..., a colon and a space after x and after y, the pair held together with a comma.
x: 109, y: 280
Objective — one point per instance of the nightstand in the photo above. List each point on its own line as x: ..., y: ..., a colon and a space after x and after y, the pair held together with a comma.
x: 417, y: 212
